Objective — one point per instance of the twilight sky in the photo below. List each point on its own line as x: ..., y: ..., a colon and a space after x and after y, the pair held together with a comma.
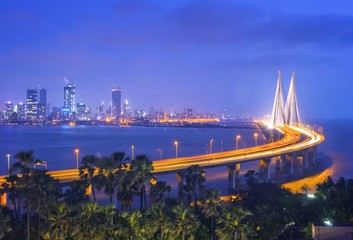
x: 207, y: 55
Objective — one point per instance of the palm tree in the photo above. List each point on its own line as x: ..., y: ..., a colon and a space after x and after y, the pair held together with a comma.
x: 88, y: 166
x: 23, y: 167
x: 142, y: 169
x: 112, y: 228
x: 158, y: 190
x: 110, y: 174
x: 158, y: 220
x: 59, y: 221
x: 76, y: 193
x: 11, y: 186
x: 211, y: 206
x: 126, y: 190
x: 17, y: 183
x: 88, y: 223
x: 134, y: 224
x: 232, y: 223
x: 43, y: 191
x: 5, y: 221
x: 194, y: 179
x: 185, y: 221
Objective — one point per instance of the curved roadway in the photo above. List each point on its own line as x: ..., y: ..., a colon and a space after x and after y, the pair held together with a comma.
x: 295, y: 139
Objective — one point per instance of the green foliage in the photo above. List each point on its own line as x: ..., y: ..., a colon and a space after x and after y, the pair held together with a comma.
x: 233, y: 223
x: 264, y: 211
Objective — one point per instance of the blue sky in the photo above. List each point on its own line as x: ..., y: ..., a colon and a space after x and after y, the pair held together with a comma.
x: 207, y: 55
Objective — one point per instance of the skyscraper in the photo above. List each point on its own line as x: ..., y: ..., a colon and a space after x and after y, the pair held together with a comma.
x: 42, y: 103
x: 69, y: 100
x: 127, y: 109
x: 21, y: 111
x: 9, y: 110
x: 32, y: 104
x: 116, y: 102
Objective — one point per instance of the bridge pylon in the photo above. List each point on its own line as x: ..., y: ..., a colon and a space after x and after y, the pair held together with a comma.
x: 278, y: 114
x: 291, y: 109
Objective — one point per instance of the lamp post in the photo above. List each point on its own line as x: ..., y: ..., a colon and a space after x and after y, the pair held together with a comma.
x: 236, y: 141
x: 160, y: 153
x: 255, y: 136
x: 211, y: 142
x: 8, y: 163
x: 176, y: 148
x: 77, y: 151
x: 221, y: 146
x: 132, y: 152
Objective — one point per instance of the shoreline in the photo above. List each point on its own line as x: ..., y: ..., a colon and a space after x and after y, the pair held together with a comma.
x: 312, y: 176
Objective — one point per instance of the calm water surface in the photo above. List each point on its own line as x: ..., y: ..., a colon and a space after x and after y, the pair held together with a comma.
x: 56, y: 144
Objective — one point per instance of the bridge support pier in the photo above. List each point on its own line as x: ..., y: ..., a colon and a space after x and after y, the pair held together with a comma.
x: 305, y: 159
x: 230, y: 169
x: 290, y: 159
x: 180, y: 176
x: 312, y: 155
x: 3, y: 199
x: 237, y: 175
x: 278, y: 159
x: 264, y: 169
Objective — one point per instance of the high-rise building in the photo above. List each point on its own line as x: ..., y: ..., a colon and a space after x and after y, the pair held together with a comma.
x: 81, y: 111
x: 69, y: 98
x: 32, y: 104
x: 127, y: 109
x: 42, y: 103
x: 116, y: 102
x: 9, y: 109
x: 21, y: 111
x: 101, y: 110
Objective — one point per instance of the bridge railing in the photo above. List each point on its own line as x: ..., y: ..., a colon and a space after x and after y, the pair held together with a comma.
x: 311, y: 128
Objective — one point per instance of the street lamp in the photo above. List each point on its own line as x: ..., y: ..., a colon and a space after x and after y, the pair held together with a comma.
x: 132, y: 152
x: 211, y: 142
x: 221, y: 146
x: 236, y: 141
x: 160, y: 153
x: 176, y: 148
x: 255, y: 136
x: 77, y: 151
x: 8, y: 163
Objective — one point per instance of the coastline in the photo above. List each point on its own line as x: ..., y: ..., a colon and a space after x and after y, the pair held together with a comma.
x: 323, y: 169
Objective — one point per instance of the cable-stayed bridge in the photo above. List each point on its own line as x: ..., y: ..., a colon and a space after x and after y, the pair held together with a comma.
x: 298, y: 143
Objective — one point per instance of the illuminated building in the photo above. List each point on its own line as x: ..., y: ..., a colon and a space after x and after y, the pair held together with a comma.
x: 9, y: 110
x: 55, y: 113
x: 127, y: 109
x: 81, y: 111
x: 69, y: 100
x: 101, y: 113
x: 32, y: 104
x: 42, y: 104
x: 21, y: 111
x: 116, y: 102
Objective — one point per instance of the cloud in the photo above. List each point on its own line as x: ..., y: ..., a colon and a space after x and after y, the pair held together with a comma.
x: 328, y: 29
x: 214, y: 22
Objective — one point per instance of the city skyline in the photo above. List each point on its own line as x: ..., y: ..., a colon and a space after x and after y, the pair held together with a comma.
x: 207, y: 55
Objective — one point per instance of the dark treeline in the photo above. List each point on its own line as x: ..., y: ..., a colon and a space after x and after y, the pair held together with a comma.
x: 40, y: 209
